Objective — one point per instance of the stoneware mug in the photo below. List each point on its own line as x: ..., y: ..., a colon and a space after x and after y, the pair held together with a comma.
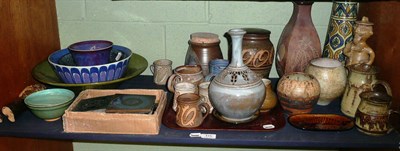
x: 161, y: 70
x: 182, y: 88
x: 191, y: 111
x: 186, y: 73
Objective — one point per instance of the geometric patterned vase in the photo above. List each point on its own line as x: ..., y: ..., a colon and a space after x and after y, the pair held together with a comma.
x: 340, y: 30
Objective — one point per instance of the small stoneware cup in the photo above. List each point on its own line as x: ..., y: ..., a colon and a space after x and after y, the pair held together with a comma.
x: 186, y: 73
x: 92, y: 52
x: 161, y: 70
x: 191, y: 111
x: 182, y: 88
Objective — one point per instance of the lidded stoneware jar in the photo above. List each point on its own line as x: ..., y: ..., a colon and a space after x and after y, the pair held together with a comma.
x: 298, y: 92
x: 331, y: 76
x: 237, y: 92
x: 203, y: 47
x: 258, y: 51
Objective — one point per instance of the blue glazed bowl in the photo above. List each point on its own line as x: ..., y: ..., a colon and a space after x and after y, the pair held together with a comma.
x: 92, y: 52
x: 66, y: 69
x: 49, y: 104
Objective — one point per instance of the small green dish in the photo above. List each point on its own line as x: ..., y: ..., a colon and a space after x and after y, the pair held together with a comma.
x: 49, y: 104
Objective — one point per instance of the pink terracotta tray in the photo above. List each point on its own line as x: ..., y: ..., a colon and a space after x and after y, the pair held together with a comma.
x: 266, y: 121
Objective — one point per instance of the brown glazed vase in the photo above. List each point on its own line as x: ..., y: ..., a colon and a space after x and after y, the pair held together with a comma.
x: 298, y: 92
x: 258, y: 51
x: 203, y: 47
x: 299, y: 42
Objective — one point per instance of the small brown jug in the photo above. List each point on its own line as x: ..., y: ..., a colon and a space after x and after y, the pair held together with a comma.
x: 191, y: 110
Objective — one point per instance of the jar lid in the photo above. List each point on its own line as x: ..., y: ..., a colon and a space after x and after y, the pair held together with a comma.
x: 256, y: 32
x: 376, y: 97
x: 204, y: 37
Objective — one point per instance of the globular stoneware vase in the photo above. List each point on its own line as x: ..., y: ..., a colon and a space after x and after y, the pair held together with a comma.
x: 340, y: 30
x: 237, y: 92
x: 299, y: 42
x: 298, y: 92
x: 332, y: 77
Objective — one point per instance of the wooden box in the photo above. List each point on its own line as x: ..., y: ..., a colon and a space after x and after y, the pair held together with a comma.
x: 115, y: 123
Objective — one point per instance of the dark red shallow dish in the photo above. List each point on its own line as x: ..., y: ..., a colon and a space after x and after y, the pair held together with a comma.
x: 321, y: 122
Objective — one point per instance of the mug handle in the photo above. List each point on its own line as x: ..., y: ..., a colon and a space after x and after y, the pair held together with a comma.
x: 172, y: 80
x: 205, y: 106
x: 384, y: 84
x: 152, y: 68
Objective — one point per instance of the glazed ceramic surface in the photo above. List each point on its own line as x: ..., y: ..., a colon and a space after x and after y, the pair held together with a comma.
x: 49, y: 104
x: 321, y: 122
x: 270, y: 100
x: 237, y: 92
x: 331, y: 76
x: 161, y: 70
x: 298, y: 92
x: 299, y: 42
x: 189, y: 110
x: 258, y: 51
x: 216, y: 66
x: 92, y: 52
x: 43, y: 72
x: 49, y: 97
x: 340, y: 29
x: 361, y: 78
x: 372, y: 115
x: 186, y: 73
x: 203, y: 47
x: 182, y: 88
x: 66, y: 69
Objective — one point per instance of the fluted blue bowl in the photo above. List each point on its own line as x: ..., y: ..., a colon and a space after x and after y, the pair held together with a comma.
x: 63, y: 64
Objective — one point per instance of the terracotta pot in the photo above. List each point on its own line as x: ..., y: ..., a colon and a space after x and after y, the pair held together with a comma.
x: 237, y: 92
x: 298, y: 92
x: 331, y: 76
x: 299, y: 42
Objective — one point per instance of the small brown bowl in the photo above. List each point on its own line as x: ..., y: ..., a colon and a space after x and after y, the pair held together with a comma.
x: 321, y: 122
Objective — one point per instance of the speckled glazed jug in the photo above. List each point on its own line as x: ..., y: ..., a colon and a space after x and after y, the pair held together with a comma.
x: 361, y: 78
x: 237, y: 92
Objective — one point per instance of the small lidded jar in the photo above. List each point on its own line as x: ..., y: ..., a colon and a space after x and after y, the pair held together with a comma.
x: 203, y: 47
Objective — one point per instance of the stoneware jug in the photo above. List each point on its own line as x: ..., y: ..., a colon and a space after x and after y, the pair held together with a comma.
x: 270, y: 100
x: 361, y: 78
x: 237, y: 92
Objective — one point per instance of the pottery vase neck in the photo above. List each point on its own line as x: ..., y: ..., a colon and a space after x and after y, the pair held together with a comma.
x: 237, y: 39
x: 302, y: 11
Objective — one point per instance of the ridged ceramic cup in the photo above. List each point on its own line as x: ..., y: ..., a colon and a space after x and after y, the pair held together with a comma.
x: 331, y: 76
x: 298, y: 92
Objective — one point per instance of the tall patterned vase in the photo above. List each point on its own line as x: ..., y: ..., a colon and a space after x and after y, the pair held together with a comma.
x: 299, y: 42
x: 340, y: 30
